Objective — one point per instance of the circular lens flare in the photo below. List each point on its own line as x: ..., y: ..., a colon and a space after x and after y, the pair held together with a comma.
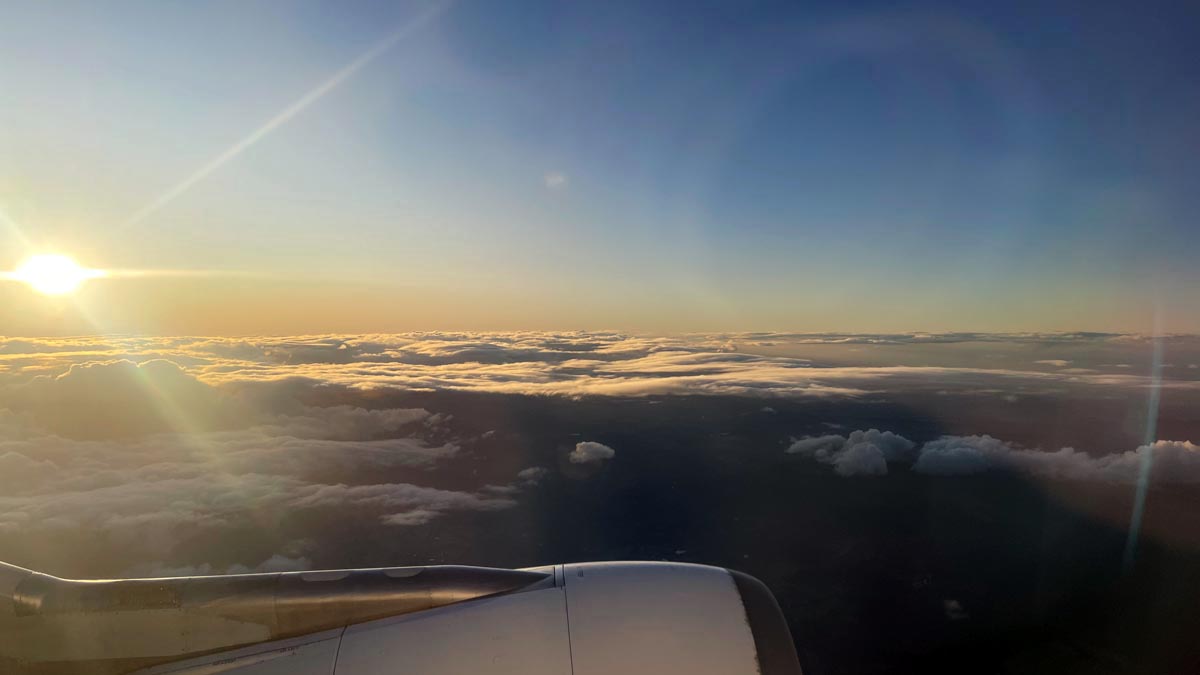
x: 54, y: 274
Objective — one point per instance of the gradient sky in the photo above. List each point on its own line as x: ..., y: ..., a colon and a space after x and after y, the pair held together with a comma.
x: 688, y: 166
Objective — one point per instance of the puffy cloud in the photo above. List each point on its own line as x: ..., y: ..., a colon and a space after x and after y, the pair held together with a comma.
x: 533, y: 475
x: 862, y: 453
x: 1171, y: 461
x: 590, y: 451
x: 869, y: 452
x: 860, y: 459
x: 820, y: 448
x: 954, y: 455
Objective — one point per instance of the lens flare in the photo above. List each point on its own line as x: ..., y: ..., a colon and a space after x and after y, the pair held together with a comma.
x: 54, y: 274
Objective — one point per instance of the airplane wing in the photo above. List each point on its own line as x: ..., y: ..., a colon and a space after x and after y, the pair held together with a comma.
x: 613, y: 618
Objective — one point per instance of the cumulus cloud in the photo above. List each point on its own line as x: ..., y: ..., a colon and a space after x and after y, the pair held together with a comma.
x: 1171, y: 461
x: 860, y: 459
x: 956, y: 455
x: 869, y: 453
x: 590, y: 452
x: 862, y: 453
x: 533, y: 475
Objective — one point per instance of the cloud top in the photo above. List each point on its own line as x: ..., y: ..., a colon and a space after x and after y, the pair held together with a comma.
x: 765, y: 365
x: 590, y: 452
x: 868, y: 453
x: 862, y: 453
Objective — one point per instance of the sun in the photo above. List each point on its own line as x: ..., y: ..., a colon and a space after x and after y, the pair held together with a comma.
x: 54, y: 274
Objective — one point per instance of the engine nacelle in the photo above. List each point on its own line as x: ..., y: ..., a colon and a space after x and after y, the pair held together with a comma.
x: 621, y: 618
x: 598, y: 619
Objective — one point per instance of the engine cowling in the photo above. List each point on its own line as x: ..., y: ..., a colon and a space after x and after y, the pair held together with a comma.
x: 627, y: 618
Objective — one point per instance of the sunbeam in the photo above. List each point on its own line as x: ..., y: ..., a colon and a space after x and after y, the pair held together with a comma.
x: 301, y: 104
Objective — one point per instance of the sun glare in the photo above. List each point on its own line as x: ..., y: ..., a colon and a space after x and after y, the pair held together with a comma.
x: 54, y: 274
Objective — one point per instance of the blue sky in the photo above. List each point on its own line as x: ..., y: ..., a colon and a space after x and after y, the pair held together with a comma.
x: 729, y: 166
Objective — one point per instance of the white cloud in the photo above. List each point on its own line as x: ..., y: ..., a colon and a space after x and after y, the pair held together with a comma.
x: 869, y: 453
x: 820, y: 448
x: 1061, y: 363
x: 555, y: 180
x: 590, y: 451
x: 1171, y: 461
x: 533, y: 475
x: 862, y: 453
x: 955, y: 455
x: 860, y: 459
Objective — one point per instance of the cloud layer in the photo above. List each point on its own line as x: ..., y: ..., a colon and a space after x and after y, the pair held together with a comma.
x: 594, y: 363
x: 146, y: 444
x: 148, y: 456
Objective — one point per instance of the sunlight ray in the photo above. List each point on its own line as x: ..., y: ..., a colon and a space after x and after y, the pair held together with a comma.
x: 297, y: 107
